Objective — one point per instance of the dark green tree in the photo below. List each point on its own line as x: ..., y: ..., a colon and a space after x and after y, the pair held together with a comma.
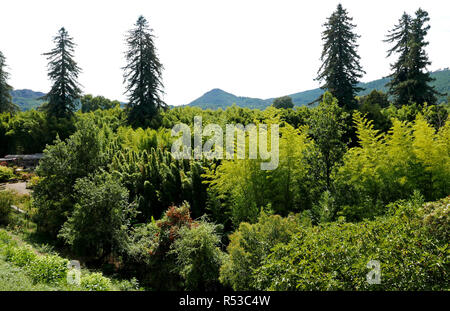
x: 63, y: 71
x: 328, y: 129
x: 410, y: 80
x: 91, y: 103
x: 400, y: 35
x: 142, y: 75
x: 6, y: 104
x: 371, y: 105
x: 340, y: 68
x: 419, y: 77
x: 283, y: 102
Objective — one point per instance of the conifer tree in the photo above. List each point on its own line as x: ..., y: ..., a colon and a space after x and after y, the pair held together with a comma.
x: 409, y: 80
x: 63, y: 71
x: 420, y: 78
x: 340, y: 61
x: 143, y: 75
x: 6, y: 104
x: 399, y: 35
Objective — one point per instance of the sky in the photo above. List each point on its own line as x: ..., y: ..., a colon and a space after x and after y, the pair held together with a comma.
x: 253, y: 48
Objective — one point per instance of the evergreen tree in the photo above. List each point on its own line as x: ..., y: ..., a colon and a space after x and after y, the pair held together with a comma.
x: 410, y: 81
x: 6, y: 104
x: 400, y: 34
x: 340, y: 61
x: 63, y: 70
x: 420, y: 78
x: 143, y: 75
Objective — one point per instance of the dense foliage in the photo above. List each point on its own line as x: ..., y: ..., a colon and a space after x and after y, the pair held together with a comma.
x: 358, y: 178
x: 412, y: 251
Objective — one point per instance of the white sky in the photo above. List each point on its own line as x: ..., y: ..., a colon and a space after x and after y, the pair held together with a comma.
x: 249, y: 48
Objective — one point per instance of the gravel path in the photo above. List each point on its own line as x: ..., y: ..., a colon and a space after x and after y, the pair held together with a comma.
x: 20, y: 187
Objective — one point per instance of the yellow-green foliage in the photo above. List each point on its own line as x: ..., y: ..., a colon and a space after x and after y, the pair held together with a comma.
x: 6, y: 173
x: 96, y: 282
x: 385, y: 168
x: 244, y: 188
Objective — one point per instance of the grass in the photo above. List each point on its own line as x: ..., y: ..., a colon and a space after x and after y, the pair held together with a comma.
x: 15, y: 279
x: 39, y: 272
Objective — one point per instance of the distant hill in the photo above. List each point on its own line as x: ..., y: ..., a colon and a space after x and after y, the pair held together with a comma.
x: 218, y: 98
x: 27, y: 99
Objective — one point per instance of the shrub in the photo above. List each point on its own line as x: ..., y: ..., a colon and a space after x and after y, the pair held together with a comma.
x: 6, y: 200
x: 198, y: 256
x: 50, y: 269
x: 151, y: 245
x: 437, y: 218
x: 6, y: 173
x: 127, y: 285
x: 95, y: 282
x: 4, y: 237
x: 20, y: 256
x: 101, y: 217
x: 250, y: 244
x: 334, y: 256
x: 33, y: 182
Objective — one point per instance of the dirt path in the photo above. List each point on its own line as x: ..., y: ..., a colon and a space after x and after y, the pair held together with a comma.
x: 20, y: 187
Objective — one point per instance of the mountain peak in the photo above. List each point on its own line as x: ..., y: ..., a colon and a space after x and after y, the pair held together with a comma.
x: 218, y: 98
x: 216, y: 91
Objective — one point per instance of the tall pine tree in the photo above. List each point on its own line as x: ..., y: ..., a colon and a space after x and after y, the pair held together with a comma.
x: 340, y: 61
x: 410, y: 80
x: 63, y: 71
x: 143, y: 75
x: 421, y: 90
x: 6, y: 104
x: 400, y: 35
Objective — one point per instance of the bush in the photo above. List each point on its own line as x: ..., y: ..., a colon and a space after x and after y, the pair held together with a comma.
x: 95, y: 282
x: 20, y: 256
x: 6, y: 173
x: 4, y: 237
x: 33, y: 182
x: 101, y: 217
x: 334, y: 256
x: 50, y: 269
x: 127, y: 285
x: 198, y: 256
x: 250, y: 244
x: 6, y: 200
x: 437, y: 219
x: 151, y: 245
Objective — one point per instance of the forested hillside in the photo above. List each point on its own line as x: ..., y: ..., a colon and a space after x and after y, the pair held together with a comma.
x: 27, y: 99
x: 217, y: 98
